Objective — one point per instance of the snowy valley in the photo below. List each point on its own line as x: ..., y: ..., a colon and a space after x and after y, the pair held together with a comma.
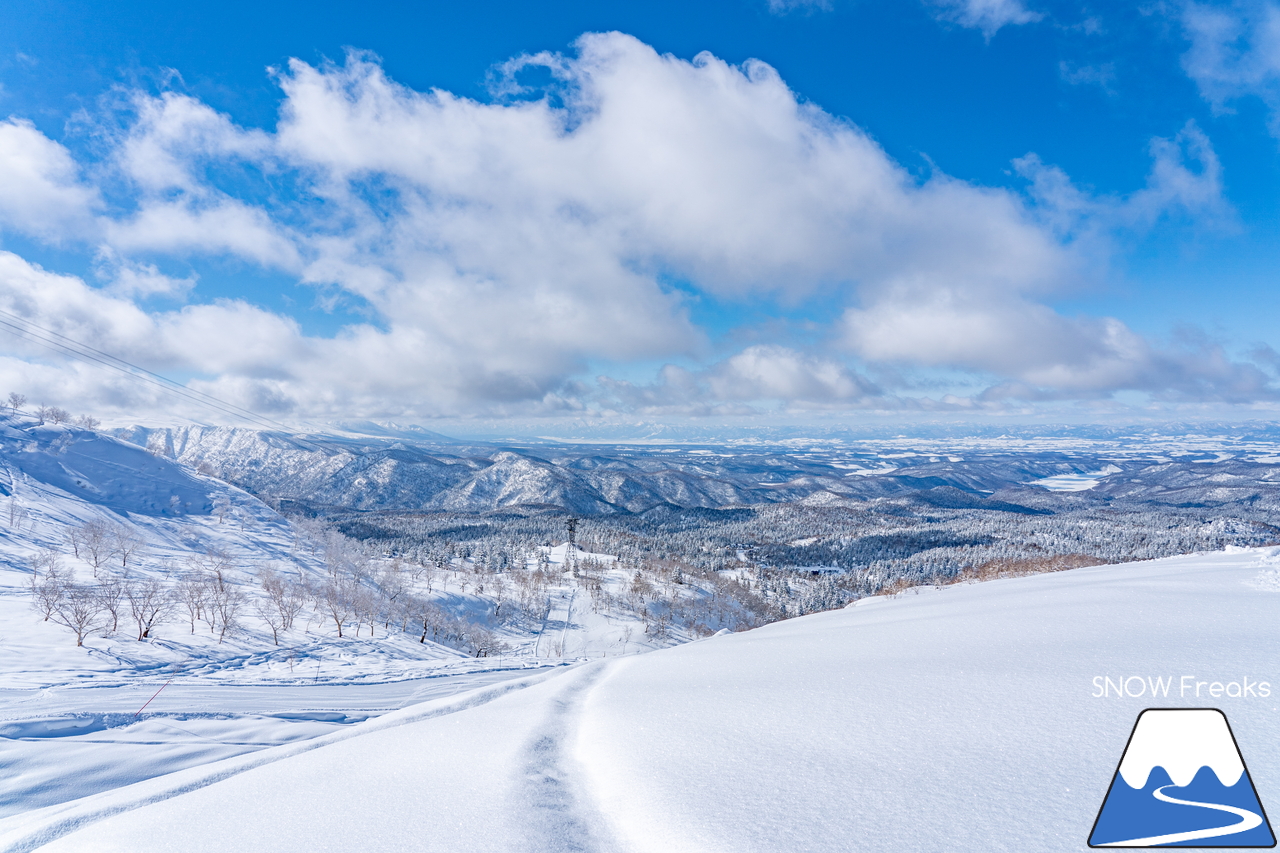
x: 473, y: 680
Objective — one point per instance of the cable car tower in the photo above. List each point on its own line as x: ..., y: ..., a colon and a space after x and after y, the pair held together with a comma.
x: 570, y: 553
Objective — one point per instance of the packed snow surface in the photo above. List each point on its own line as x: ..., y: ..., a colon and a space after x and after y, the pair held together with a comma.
x: 967, y: 718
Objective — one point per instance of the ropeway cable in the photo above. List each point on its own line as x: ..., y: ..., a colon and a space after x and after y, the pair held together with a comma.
x: 68, y: 346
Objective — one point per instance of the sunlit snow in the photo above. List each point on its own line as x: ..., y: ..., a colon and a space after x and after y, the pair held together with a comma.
x: 1075, y: 482
x: 964, y: 718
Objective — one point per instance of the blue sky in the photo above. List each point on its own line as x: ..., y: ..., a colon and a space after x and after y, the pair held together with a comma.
x: 752, y: 209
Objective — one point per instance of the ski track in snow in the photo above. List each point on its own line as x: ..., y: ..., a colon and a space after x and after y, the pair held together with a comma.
x: 61, y: 743
x: 29, y: 831
x: 560, y: 818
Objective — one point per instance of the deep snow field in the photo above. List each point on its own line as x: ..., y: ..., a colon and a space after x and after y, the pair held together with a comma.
x: 960, y: 719
x: 964, y: 718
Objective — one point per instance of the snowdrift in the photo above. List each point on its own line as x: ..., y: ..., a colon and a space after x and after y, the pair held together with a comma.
x: 965, y: 719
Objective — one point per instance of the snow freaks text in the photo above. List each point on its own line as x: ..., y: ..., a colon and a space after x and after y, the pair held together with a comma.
x: 1182, y: 687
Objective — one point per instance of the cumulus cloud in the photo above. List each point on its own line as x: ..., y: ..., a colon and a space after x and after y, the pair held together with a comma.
x: 545, y: 228
x: 238, y: 352
x: 502, y: 247
x: 985, y: 15
x: 226, y: 336
x: 41, y: 191
x: 1050, y: 357
x: 134, y: 279
x: 165, y: 152
x: 1191, y: 369
x: 1235, y: 52
x: 1184, y: 183
x: 193, y: 227
x: 169, y: 139
x: 999, y: 326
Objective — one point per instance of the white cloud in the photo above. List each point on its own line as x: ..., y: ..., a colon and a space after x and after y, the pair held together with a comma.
x: 1235, y: 52
x: 215, y: 338
x: 696, y: 168
x: 245, y: 346
x: 985, y: 15
x: 187, y: 227
x: 526, y: 237
x: 500, y: 248
x: 777, y: 373
x: 165, y: 151
x: 763, y: 375
x: 1184, y: 183
x: 1192, y: 369
x: 1102, y: 76
x: 975, y: 322
x: 133, y: 279
x: 170, y: 138
x: 1186, y: 179
x: 41, y: 193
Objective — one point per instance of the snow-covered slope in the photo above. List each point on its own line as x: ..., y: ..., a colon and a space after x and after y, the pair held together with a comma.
x: 975, y: 717
x: 341, y: 470
x: 76, y: 720
x: 54, y: 477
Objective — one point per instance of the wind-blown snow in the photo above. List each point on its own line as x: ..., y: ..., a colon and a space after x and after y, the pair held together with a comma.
x: 959, y: 719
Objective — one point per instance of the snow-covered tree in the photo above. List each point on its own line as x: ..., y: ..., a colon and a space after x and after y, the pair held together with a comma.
x: 79, y: 609
x: 285, y: 595
x: 151, y: 603
x: 48, y: 582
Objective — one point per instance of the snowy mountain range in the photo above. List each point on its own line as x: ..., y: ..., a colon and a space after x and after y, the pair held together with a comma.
x: 407, y: 471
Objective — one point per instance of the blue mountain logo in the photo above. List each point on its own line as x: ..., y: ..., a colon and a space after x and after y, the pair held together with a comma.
x: 1182, y: 783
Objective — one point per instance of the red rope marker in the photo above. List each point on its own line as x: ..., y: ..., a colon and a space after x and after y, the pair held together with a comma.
x: 154, y: 695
